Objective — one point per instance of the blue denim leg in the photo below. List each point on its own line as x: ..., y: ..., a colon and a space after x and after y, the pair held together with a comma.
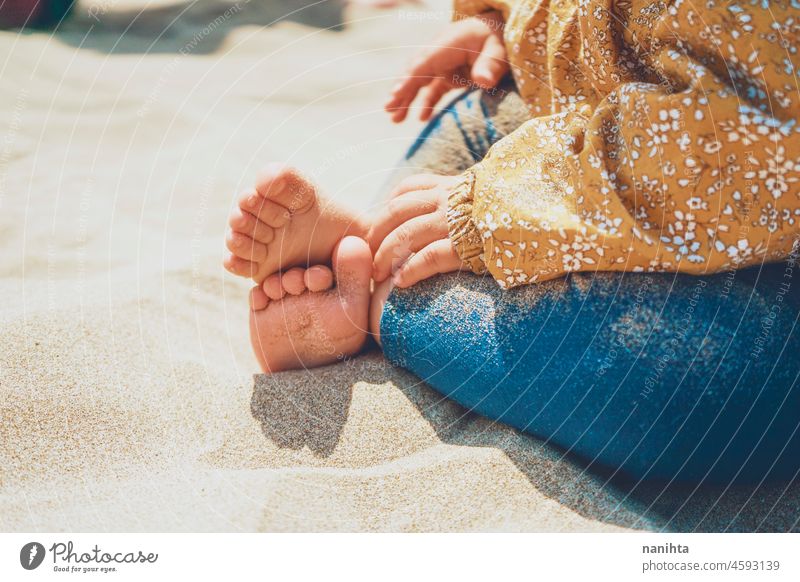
x: 662, y: 376
x: 469, y: 113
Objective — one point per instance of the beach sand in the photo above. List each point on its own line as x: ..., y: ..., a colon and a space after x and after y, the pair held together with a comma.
x: 127, y: 393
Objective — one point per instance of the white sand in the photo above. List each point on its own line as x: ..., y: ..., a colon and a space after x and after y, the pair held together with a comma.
x: 127, y: 400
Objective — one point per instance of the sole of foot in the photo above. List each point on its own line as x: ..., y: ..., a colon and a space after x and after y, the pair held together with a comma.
x: 299, y: 320
x: 283, y: 222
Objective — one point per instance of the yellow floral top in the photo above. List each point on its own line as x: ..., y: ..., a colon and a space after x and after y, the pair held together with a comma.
x: 664, y: 136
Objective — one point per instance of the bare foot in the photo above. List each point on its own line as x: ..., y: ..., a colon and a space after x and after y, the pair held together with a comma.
x: 283, y: 222
x: 298, y: 320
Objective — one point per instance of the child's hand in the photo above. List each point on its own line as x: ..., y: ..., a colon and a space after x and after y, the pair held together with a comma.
x: 414, y: 222
x: 471, y: 51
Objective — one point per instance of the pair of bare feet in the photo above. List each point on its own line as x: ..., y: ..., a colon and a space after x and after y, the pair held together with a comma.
x: 313, y: 303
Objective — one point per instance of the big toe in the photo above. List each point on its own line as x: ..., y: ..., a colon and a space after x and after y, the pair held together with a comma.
x: 286, y: 186
x: 352, y: 267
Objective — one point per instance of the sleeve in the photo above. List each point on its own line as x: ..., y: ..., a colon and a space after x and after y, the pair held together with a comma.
x: 698, y: 179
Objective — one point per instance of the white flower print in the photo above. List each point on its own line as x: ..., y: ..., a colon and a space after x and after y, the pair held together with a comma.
x: 780, y: 172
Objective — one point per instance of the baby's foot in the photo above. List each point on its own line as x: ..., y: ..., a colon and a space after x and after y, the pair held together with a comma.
x: 283, y: 222
x: 298, y: 320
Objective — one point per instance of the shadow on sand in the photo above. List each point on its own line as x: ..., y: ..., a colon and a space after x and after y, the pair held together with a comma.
x: 293, y: 414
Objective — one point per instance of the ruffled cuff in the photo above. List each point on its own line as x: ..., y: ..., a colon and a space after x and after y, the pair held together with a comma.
x: 465, y: 236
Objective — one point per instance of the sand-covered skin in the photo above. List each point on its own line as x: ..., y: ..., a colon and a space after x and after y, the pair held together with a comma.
x: 127, y: 398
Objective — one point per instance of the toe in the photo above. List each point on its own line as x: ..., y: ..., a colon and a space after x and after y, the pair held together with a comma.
x: 245, y: 247
x: 293, y: 281
x: 273, y: 288
x: 248, y: 200
x: 244, y: 222
x: 258, y: 299
x: 241, y: 267
x: 287, y: 187
x: 269, y: 212
x: 352, y: 266
x: 318, y: 278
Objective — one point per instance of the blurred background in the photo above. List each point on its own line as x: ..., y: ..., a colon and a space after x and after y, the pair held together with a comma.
x: 128, y: 130
x: 130, y: 127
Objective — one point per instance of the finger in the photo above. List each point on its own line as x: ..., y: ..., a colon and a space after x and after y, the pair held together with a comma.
x: 293, y: 281
x: 418, y: 76
x: 406, y: 239
x: 318, y: 278
x: 403, y: 95
x: 437, y: 257
x: 395, y: 213
x: 433, y: 94
x: 415, y: 183
x: 491, y: 64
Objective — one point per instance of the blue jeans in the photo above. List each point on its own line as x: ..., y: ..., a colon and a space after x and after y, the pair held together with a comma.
x: 654, y: 376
